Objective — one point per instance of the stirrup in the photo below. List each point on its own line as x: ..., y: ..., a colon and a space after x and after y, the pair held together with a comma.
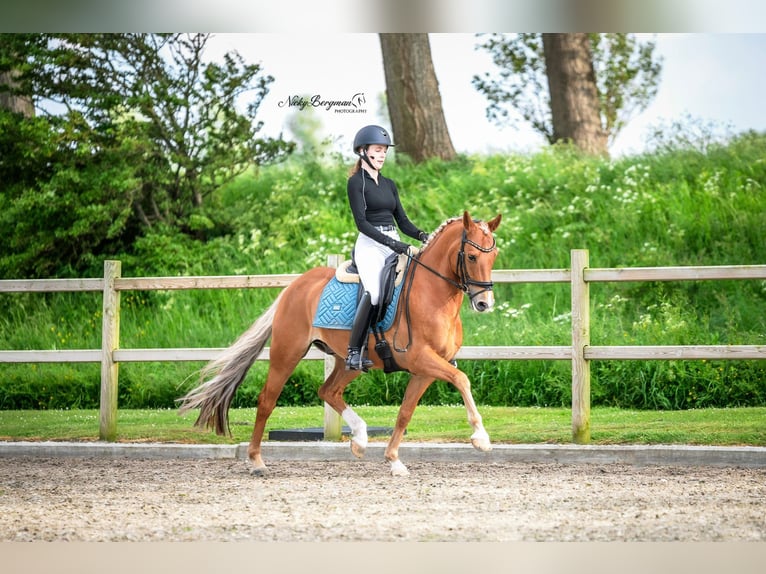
x: 356, y: 361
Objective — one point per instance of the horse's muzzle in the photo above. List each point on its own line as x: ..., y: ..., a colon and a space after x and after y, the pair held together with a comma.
x: 483, y: 302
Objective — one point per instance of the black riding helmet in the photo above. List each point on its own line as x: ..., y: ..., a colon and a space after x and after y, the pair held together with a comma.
x: 371, y: 135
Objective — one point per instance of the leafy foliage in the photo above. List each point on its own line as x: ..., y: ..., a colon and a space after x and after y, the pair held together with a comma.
x: 61, y: 204
x: 520, y: 82
x: 136, y: 131
x: 627, y: 76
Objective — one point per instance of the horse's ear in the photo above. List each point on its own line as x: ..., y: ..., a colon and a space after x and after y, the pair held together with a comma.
x: 495, y: 223
x: 467, y: 221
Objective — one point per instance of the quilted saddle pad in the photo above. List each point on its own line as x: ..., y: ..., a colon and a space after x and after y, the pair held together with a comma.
x: 337, y: 306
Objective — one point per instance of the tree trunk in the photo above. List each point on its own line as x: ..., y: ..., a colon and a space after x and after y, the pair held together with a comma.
x: 19, y: 104
x: 574, y: 95
x: 414, y: 101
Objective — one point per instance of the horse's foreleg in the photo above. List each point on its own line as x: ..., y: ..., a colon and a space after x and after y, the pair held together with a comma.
x: 480, y: 437
x: 446, y: 371
x: 412, y: 394
x: 331, y: 392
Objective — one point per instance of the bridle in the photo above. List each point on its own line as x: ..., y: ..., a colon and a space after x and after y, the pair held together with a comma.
x: 465, y: 280
x: 464, y: 283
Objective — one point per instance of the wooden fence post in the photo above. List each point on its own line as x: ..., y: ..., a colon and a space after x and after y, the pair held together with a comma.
x: 110, y: 340
x: 580, y: 340
x: 333, y: 422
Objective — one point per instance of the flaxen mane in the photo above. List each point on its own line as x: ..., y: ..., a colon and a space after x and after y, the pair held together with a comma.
x: 437, y: 231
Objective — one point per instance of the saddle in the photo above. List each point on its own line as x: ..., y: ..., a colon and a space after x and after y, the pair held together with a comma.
x: 340, y: 298
x: 390, y: 279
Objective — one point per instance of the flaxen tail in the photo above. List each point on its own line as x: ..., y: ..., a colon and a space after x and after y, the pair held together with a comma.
x: 214, y: 396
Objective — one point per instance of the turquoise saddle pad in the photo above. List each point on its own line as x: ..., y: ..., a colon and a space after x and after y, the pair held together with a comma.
x: 337, y: 306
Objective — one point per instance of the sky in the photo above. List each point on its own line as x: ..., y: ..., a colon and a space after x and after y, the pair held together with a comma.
x: 716, y: 79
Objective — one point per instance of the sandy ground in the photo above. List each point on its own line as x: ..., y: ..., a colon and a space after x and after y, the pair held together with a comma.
x: 97, y: 499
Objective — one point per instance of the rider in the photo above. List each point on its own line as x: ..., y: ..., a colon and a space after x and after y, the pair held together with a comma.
x: 375, y: 204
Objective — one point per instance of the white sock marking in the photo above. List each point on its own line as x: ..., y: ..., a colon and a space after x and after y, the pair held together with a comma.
x: 357, y: 425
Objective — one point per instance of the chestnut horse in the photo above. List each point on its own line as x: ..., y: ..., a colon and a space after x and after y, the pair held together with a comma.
x: 426, y: 335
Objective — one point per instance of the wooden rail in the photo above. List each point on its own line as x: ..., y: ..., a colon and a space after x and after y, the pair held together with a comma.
x: 580, y: 352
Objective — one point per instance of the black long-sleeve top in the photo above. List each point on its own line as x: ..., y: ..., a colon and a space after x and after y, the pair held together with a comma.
x: 376, y: 204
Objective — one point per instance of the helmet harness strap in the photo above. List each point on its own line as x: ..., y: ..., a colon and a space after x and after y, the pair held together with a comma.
x: 363, y: 155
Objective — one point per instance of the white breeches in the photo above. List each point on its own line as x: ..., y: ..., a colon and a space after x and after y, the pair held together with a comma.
x: 370, y: 257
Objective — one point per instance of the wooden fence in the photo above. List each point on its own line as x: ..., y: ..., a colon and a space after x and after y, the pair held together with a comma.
x: 580, y: 352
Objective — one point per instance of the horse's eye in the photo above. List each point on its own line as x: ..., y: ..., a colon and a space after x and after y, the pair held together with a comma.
x: 472, y: 258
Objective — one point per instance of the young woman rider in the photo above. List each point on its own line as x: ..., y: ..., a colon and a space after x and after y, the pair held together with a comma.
x: 375, y: 205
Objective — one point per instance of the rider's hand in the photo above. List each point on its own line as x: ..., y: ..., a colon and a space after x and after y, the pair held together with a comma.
x: 400, y: 247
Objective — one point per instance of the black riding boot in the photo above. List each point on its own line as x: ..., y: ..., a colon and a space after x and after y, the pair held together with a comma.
x: 357, y: 359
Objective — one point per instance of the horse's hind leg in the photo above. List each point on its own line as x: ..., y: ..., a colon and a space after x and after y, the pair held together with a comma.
x: 279, y: 370
x: 331, y: 392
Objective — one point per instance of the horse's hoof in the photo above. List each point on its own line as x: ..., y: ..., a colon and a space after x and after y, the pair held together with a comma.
x: 398, y: 469
x: 357, y: 449
x: 260, y: 471
x: 481, y: 444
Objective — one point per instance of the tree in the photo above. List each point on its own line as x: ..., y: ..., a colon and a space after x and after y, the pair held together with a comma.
x: 147, y: 110
x: 14, y: 102
x: 626, y: 73
x: 414, y: 101
x: 573, y: 93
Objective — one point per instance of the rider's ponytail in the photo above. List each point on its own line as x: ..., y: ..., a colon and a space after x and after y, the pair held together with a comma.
x: 355, y: 168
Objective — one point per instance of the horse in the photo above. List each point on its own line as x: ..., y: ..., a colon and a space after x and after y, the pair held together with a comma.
x: 456, y: 260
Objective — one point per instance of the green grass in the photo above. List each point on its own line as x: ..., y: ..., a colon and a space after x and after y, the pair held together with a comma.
x: 512, y: 425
